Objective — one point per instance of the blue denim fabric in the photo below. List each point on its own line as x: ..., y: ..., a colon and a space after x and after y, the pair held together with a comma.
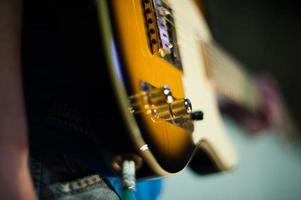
x: 145, y: 190
x: 60, y: 178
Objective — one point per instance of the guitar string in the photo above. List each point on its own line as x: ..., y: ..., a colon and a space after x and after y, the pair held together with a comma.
x: 218, y: 58
x: 215, y: 59
x: 198, y: 37
x: 182, y: 29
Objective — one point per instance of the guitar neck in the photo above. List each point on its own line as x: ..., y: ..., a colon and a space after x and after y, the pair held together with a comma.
x: 232, y: 81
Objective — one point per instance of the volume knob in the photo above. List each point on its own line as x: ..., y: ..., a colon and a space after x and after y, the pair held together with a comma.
x: 180, y: 108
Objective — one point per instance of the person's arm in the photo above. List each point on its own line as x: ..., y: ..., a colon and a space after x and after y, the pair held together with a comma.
x: 15, y: 181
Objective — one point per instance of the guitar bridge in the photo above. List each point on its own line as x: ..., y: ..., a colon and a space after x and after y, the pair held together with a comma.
x: 161, y: 31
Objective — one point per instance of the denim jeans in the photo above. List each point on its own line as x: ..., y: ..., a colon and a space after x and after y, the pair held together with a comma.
x: 61, y: 178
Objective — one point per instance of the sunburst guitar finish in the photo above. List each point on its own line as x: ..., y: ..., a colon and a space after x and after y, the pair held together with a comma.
x: 157, y: 67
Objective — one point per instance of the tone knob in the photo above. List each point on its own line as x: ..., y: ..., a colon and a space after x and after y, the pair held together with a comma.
x: 180, y: 108
x: 173, y: 110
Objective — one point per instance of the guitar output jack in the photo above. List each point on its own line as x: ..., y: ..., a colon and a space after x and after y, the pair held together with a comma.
x: 118, y: 161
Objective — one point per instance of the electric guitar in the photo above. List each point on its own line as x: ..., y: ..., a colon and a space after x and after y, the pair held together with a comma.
x: 156, y: 62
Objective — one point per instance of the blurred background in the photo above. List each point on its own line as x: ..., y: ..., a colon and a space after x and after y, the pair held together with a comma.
x: 264, y: 36
x: 269, y: 169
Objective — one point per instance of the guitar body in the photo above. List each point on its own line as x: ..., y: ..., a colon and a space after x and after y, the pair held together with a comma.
x: 121, y: 82
x: 163, y: 137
